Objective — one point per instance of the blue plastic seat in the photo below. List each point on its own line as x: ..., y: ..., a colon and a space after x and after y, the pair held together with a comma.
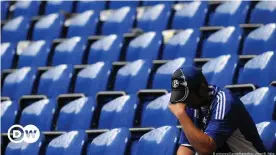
x: 264, y: 12
x: 40, y: 114
x: 35, y: 55
x: 183, y: 44
x: 84, y: 5
x: 164, y: 73
x: 230, y: 13
x: 105, y: 49
x: 191, y: 15
x: 267, y: 132
x: 162, y: 140
x: 154, y: 18
x: 55, y: 81
x: 112, y: 141
x: 4, y: 9
x: 119, y: 21
x: 118, y: 113
x: 70, y: 143
x: 151, y: 3
x: 83, y: 24
x: 145, y: 46
x: 119, y: 4
x: 221, y: 70
x: 26, y: 8
x: 58, y: 6
x: 48, y: 27
x: 260, y: 40
x: 15, y: 30
x: 7, y: 54
x: 18, y: 83
x: 9, y: 111
x: 222, y: 42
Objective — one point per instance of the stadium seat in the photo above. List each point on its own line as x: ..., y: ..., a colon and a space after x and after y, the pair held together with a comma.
x: 58, y: 6
x: 84, y: 24
x: 165, y: 72
x: 222, y: 42
x: 26, y: 8
x: 267, y: 132
x: 15, y: 29
x: 119, y: 21
x: 260, y: 40
x: 191, y: 15
x: 145, y: 46
x: 84, y: 5
x: 183, y: 44
x: 118, y: 113
x: 9, y: 111
x: 92, y: 79
x: 154, y: 18
x: 221, y: 70
x: 112, y: 141
x: 18, y: 83
x: 151, y: 3
x: 48, y: 27
x: 69, y: 51
x: 105, y: 49
x: 4, y: 9
x: 40, y: 114
x: 35, y: 55
x: 71, y: 114
x: 162, y: 140
x: 119, y: 4
x: 70, y: 143
x: 262, y: 68
x: 55, y: 81
x: 263, y: 9
x: 7, y: 54
x: 231, y: 13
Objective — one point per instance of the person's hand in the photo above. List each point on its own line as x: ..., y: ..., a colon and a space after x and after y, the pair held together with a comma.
x: 178, y: 109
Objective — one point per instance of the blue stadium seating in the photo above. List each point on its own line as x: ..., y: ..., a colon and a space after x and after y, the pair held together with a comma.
x: 183, y: 44
x: 58, y: 6
x: 69, y: 51
x: 92, y: 79
x: 191, y: 15
x: 224, y: 41
x: 221, y: 70
x: 7, y: 54
x: 16, y: 29
x: 35, y: 55
x: 267, y: 132
x: 4, y: 9
x: 107, y: 48
x: 264, y: 12
x: 70, y: 143
x: 9, y: 111
x: 260, y: 40
x: 145, y: 46
x: 26, y: 8
x: 84, y: 5
x: 40, y: 114
x: 118, y: 113
x: 151, y: 3
x: 119, y: 21
x: 55, y: 81
x: 133, y: 76
x: 112, y: 141
x: 119, y: 4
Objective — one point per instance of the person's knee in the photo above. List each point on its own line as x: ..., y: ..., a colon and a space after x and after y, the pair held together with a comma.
x: 183, y: 150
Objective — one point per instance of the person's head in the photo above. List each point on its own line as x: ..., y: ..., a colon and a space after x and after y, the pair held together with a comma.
x: 190, y: 87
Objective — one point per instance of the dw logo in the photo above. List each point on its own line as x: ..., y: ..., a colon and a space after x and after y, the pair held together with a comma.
x: 28, y: 134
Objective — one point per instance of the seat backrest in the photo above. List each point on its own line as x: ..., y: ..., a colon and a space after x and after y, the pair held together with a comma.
x: 4, y: 9
x: 9, y: 111
x: 7, y: 54
x: 263, y: 9
x: 119, y: 4
x: 151, y: 3
x: 26, y: 8
x: 96, y: 6
x: 58, y: 6
x: 267, y: 132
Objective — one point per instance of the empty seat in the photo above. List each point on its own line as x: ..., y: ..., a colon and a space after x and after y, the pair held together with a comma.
x: 222, y: 42
x: 158, y: 141
x: 70, y: 143
x: 115, y: 140
x: 35, y: 55
x: 264, y: 12
x: 260, y: 40
x: 183, y: 44
x: 154, y: 18
x: 4, y: 9
x: 164, y: 73
x: 7, y: 54
x: 69, y: 51
x: 84, y: 24
x: 55, y: 81
x: 107, y: 48
x: 18, y: 83
x: 229, y: 13
x: 26, y: 8
x: 119, y: 4
x: 118, y: 113
x: 267, y: 132
x: 190, y: 15
x: 151, y: 3
x: 15, y: 29
x: 145, y: 46
x: 84, y: 5
x: 119, y: 21
x: 9, y: 111
x: 58, y: 6
x: 48, y: 27
x: 40, y: 114
x: 221, y: 70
